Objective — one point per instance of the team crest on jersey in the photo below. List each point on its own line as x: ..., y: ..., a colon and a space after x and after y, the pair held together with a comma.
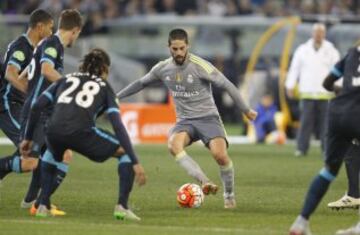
x: 19, y: 55
x: 51, y: 51
x: 190, y: 79
x: 178, y: 77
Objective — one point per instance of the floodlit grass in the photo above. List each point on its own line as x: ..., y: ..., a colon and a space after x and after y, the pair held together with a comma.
x: 270, y: 187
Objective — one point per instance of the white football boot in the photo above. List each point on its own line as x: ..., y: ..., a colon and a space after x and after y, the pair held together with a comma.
x: 26, y: 205
x: 345, y: 202
x: 121, y: 213
x: 229, y: 201
x: 350, y: 231
x: 300, y: 227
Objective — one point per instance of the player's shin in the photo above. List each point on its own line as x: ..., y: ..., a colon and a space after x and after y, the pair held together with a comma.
x: 191, y: 167
x: 126, y: 179
x: 352, y: 171
x: 61, y: 171
x: 227, y: 177
x: 317, y: 190
x: 48, y: 174
x: 35, y: 184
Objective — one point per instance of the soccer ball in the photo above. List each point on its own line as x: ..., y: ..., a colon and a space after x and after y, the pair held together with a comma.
x: 190, y: 196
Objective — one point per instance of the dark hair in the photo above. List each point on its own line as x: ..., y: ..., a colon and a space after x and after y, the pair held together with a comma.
x: 70, y: 19
x: 95, y: 62
x: 39, y: 16
x: 178, y: 34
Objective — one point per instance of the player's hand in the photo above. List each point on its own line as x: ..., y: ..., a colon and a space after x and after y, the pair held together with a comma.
x: 251, y: 115
x: 25, y: 148
x: 140, y: 177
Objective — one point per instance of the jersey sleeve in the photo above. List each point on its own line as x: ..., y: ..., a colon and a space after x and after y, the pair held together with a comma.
x: 152, y: 75
x: 112, y: 110
x: 18, y: 57
x: 112, y: 103
x: 50, y: 92
x: 46, y: 99
x: 217, y: 78
x: 338, y: 69
x: 50, y: 52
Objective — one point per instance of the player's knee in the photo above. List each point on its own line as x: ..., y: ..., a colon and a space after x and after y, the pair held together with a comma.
x: 29, y: 164
x: 333, y: 168
x: 221, y: 158
x: 174, y: 148
x: 68, y: 154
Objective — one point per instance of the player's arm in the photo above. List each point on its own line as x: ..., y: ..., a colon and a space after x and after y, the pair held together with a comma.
x: 123, y: 137
x: 219, y: 80
x: 138, y: 85
x: 121, y: 133
x: 24, y: 74
x: 335, y: 73
x: 113, y: 113
x: 49, y: 72
x: 48, y: 60
x: 13, y: 68
x: 45, y: 99
x: 12, y: 75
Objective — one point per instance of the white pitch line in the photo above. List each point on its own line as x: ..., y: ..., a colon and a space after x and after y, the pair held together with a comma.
x: 153, y: 227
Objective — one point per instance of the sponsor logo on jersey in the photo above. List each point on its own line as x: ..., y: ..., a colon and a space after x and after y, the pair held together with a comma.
x: 19, y: 55
x: 178, y: 77
x: 185, y: 94
x: 51, y: 51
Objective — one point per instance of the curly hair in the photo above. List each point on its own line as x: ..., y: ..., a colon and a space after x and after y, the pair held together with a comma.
x: 96, y: 62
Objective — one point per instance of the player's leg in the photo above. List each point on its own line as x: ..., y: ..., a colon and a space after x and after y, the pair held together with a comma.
x: 352, y: 164
x: 100, y: 145
x: 51, y: 174
x: 48, y: 177
x: 35, y: 183
x: 180, y: 137
x: 321, y: 112
x: 307, y: 118
x: 11, y: 127
x: 218, y: 149
x: 336, y: 148
x: 60, y: 172
x: 126, y: 181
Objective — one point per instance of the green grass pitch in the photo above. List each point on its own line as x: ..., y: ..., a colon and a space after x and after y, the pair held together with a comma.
x: 270, y: 187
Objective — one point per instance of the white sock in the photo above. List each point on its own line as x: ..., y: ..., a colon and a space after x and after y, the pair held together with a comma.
x: 191, y: 167
x: 227, y: 178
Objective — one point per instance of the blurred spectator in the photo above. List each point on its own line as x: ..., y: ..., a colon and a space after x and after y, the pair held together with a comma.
x: 54, y: 7
x: 121, y: 8
x: 186, y: 7
x: 244, y: 7
x: 165, y: 6
x: 311, y: 63
x: 265, y: 121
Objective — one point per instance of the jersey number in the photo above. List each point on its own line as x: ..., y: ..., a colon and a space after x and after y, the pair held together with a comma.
x: 85, y: 97
x: 31, y: 69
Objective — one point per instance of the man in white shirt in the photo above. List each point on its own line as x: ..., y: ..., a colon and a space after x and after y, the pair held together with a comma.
x: 311, y: 63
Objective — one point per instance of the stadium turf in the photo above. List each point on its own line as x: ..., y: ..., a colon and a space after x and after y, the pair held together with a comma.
x: 270, y: 185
